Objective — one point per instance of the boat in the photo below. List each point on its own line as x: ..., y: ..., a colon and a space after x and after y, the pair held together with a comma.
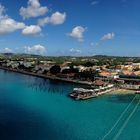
x: 83, y: 94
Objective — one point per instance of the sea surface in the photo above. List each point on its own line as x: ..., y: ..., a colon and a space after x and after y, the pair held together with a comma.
x: 32, y: 108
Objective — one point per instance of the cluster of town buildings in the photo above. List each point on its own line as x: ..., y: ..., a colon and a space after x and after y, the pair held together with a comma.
x: 128, y: 74
x: 132, y: 69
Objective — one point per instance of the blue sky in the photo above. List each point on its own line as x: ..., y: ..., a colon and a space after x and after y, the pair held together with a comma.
x: 75, y: 27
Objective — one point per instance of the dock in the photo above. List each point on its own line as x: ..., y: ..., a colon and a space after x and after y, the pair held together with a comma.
x: 137, y: 92
x: 84, y: 94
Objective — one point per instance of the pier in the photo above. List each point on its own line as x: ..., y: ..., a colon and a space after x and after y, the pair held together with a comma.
x: 84, y: 94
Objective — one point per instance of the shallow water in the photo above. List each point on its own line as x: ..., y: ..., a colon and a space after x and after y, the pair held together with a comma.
x: 36, y: 109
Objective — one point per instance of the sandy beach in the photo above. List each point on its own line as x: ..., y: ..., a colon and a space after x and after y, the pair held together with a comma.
x: 122, y: 91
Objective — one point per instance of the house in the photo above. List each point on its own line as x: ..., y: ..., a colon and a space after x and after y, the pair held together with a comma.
x: 27, y: 64
x: 128, y: 67
x: 126, y: 72
x: 136, y: 65
x: 12, y: 64
x: 112, y: 75
x: 105, y: 74
x: 41, y: 68
x: 81, y: 68
x: 99, y: 83
x: 119, y: 67
x: 66, y: 64
x: 136, y: 73
x: 64, y: 67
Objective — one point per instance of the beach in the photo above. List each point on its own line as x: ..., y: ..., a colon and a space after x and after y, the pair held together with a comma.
x: 122, y: 91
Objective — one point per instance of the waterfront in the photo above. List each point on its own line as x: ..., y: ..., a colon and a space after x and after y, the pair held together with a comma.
x: 32, y: 108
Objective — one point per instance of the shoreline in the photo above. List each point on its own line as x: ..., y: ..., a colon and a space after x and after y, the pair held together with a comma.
x: 47, y: 77
x: 122, y: 91
x: 84, y: 83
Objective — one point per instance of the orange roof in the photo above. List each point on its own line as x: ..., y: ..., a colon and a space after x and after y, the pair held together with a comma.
x: 127, y: 72
x: 105, y: 74
x: 137, y: 72
x: 99, y: 83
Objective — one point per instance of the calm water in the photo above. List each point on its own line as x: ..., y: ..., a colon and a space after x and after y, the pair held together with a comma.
x: 36, y: 109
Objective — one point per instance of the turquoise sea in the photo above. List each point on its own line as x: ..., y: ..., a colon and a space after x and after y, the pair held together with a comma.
x: 32, y: 108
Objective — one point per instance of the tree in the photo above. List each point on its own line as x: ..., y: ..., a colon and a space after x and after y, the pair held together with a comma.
x: 21, y: 66
x: 71, y: 70
x: 89, y: 64
x: 55, y: 69
x: 45, y: 71
x: 87, y: 75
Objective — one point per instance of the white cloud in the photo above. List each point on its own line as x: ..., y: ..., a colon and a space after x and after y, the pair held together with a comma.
x: 55, y: 19
x: 108, y: 36
x: 8, y: 24
x: 31, y: 30
x: 75, y: 51
x: 94, y: 44
x: 7, y: 50
x: 77, y: 33
x: 94, y: 2
x: 36, y: 49
x: 34, y: 9
x: 2, y: 10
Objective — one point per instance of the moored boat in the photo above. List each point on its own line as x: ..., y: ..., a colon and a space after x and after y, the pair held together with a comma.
x: 83, y: 94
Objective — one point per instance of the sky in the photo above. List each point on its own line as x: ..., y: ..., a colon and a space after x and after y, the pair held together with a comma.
x: 70, y: 27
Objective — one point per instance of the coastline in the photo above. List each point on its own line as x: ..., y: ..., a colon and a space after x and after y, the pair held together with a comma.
x: 47, y: 77
x: 84, y: 83
x: 122, y: 91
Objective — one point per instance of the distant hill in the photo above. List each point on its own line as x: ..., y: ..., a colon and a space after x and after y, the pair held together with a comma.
x: 98, y: 57
x: 20, y: 55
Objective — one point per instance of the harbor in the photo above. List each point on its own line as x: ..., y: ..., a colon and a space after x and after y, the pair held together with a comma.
x: 95, y: 89
x: 84, y: 94
x: 26, y: 114
x: 69, y: 70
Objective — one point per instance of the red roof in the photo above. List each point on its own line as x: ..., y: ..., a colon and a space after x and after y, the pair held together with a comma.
x: 127, y: 72
x: 99, y: 83
x: 105, y: 74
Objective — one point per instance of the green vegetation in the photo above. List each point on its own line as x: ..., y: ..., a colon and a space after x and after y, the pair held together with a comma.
x: 98, y: 60
x: 55, y: 69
